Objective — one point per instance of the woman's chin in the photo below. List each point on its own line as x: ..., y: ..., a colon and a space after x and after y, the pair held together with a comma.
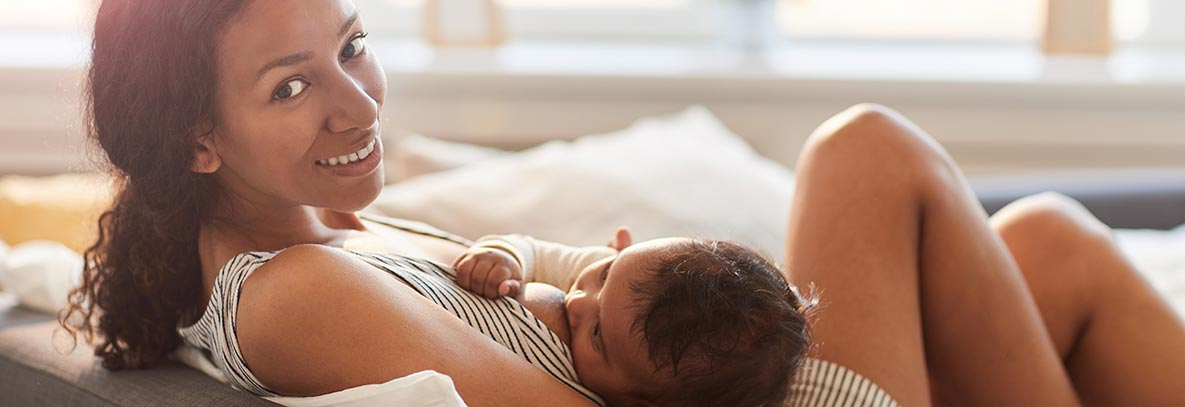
x: 355, y: 197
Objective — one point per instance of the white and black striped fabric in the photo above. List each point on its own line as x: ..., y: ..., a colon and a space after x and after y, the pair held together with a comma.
x: 820, y: 383
x: 503, y: 320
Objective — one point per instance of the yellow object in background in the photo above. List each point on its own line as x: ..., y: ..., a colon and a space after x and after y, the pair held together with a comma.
x: 473, y: 23
x: 62, y: 208
x: 1078, y: 27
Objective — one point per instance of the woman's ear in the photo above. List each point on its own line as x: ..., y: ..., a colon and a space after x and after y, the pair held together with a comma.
x: 205, y: 154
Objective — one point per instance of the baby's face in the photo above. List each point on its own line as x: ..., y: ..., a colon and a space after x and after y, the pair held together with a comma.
x: 610, y: 357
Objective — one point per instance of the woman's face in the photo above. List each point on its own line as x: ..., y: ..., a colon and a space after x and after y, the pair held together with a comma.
x: 298, y: 91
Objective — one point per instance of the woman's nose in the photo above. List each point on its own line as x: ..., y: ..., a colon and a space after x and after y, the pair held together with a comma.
x: 349, y: 105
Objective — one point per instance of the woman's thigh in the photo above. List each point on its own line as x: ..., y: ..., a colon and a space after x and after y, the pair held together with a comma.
x: 915, y: 285
x: 1092, y: 300
x: 853, y: 235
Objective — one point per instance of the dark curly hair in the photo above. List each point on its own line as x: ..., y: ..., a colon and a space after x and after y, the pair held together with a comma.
x: 722, y: 324
x: 149, y: 89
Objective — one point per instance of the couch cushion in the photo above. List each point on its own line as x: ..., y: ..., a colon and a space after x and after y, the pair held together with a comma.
x: 1128, y: 199
x: 12, y: 315
x: 32, y: 373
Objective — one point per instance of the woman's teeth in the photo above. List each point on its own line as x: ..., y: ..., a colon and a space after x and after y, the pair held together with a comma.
x: 352, y: 157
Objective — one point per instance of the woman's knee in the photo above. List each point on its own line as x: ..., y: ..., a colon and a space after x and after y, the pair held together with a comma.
x: 1057, y: 242
x: 876, y: 139
x: 1050, y: 217
x: 861, y: 121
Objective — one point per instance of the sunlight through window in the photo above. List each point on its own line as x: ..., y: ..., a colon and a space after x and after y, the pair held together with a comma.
x: 1009, y: 20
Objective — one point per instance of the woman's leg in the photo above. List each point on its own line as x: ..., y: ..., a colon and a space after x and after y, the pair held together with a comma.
x: 1121, y: 342
x: 915, y: 286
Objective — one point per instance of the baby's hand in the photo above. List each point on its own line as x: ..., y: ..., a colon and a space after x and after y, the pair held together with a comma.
x: 489, y: 272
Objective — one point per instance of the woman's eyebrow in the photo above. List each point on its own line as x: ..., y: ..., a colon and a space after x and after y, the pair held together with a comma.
x: 304, y: 56
x: 346, y: 26
x: 285, y: 61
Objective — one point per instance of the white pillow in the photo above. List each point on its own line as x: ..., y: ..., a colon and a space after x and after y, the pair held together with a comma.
x: 422, y: 389
x: 409, y: 155
x: 3, y: 254
x: 683, y: 175
x: 427, y: 388
x: 40, y: 274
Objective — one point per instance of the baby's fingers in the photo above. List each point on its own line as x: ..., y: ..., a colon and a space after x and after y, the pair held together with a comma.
x: 497, y: 275
x: 464, y: 266
x: 509, y: 288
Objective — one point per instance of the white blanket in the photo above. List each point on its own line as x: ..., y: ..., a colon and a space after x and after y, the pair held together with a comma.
x: 1160, y: 256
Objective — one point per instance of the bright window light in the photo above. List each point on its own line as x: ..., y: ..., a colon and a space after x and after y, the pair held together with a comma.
x: 939, y: 19
x: 589, y: 4
x: 46, y: 15
x: 595, y: 4
x: 1010, y: 20
x: 912, y: 19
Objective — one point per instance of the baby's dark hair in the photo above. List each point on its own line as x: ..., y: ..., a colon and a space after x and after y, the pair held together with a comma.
x: 722, y: 324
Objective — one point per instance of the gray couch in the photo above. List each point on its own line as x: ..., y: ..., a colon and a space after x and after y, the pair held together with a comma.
x: 32, y: 374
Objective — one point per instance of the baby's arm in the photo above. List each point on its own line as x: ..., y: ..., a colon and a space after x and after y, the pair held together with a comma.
x: 497, y: 265
x: 547, y: 262
x: 509, y: 265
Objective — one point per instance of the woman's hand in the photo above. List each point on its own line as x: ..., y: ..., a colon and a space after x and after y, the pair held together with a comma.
x: 490, y: 272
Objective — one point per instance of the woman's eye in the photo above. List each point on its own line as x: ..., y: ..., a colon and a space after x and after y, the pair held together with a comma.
x: 354, y: 48
x: 289, y: 89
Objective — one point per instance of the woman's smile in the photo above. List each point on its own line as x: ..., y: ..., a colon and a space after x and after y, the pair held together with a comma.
x: 349, y: 157
x: 362, y: 162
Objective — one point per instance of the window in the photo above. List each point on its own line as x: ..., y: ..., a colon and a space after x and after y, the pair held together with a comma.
x: 1138, y: 21
x: 698, y: 20
x: 912, y: 19
x: 940, y: 19
x: 46, y: 15
x: 574, y: 19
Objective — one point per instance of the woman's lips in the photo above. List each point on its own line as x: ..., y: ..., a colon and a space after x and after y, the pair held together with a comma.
x: 363, y: 166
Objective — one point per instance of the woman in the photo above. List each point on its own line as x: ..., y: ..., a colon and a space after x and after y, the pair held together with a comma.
x: 227, y: 122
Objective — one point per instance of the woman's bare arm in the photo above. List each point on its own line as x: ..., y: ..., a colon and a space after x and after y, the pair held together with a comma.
x: 314, y: 320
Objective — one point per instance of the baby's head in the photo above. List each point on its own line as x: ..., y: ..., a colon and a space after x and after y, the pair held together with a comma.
x: 676, y: 322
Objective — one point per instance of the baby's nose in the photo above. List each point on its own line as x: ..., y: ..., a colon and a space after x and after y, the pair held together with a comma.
x: 571, y: 296
x: 572, y: 301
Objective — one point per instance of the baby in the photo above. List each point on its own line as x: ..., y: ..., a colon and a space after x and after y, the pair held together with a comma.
x: 671, y: 322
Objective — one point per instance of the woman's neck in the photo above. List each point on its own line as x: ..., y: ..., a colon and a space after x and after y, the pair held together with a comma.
x: 277, y: 227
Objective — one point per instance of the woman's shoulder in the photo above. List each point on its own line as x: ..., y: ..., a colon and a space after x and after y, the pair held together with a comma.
x: 308, y: 306
x: 315, y: 319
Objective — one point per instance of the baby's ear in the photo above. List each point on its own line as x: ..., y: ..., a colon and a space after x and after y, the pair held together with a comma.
x: 621, y: 239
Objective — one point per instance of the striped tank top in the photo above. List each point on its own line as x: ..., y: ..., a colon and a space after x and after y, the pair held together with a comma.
x: 504, y: 320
